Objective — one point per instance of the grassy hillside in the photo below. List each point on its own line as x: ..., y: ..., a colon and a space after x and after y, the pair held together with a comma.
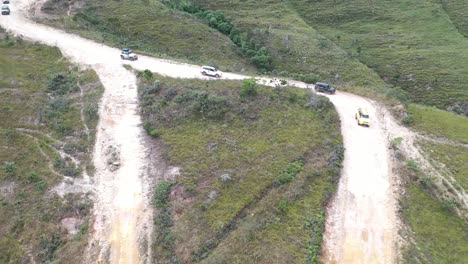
x: 440, y: 236
x: 457, y: 11
x: 257, y: 166
x: 149, y: 27
x: 40, y: 132
x: 412, y: 44
x: 295, y: 46
x: 434, y: 233
x: 439, y: 123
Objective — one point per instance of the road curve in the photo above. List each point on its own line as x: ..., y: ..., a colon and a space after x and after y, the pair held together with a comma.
x: 361, y: 221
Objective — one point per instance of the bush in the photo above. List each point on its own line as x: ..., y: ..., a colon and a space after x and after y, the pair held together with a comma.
x: 155, y: 133
x: 9, y: 166
x: 408, y: 120
x: 161, y: 193
x: 209, y: 106
x: 309, y: 78
x: 146, y: 74
x: 413, y: 165
x: 61, y: 83
x: 288, y: 174
x: 394, y: 143
x: 91, y: 111
x: 49, y: 245
x: 449, y: 204
x: 282, y: 206
x: 248, y: 88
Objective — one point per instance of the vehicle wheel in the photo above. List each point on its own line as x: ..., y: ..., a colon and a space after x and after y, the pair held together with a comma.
x: 203, y: 73
x: 217, y: 76
x: 122, y: 57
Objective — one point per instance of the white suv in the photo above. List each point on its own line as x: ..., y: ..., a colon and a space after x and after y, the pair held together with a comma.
x: 210, y: 71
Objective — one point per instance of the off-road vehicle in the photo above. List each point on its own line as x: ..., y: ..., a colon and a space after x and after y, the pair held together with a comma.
x: 324, y: 88
x: 210, y: 71
x: 5, y: 10
x: 127, y: 54
x: 362, y: 117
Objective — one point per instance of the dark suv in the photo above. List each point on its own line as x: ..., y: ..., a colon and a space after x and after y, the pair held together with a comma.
x: 324, y: 88
x: 5, y: 10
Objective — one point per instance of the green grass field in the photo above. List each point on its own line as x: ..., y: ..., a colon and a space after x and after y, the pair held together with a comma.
x: 411, y: 44
x: 252, y: 167
x: 40, y: 113
x: 440, y: 236
x: 433, y: 121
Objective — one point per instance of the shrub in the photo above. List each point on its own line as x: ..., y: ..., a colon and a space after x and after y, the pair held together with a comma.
x: 426, y: 182
x: 48, y: 246
x: 290, y: 172
x: 61, y: 83
x: 33, y: 177
x: 200, y: 102
x: 147, y: 74
x: 309, y: 78
x: 449, y: 204
x: 282, y: 206
x: 9, y: 166
x: 248, y: 88
x: 155, y: 133
x: 408, y: 120
x: 161, y: 193
x: 91, y: 111
x: 396, y: 142
x: 413, y: 165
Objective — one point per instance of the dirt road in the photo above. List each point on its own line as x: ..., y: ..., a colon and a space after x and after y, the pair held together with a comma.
x: 361, y: 222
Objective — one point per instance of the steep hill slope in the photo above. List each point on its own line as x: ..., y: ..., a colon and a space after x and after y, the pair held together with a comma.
x: 257, y: 167
x: 48, y: 119
x: 411, y: 44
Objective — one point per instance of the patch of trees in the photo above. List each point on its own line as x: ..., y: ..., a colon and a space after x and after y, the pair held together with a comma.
x: 258, y: 54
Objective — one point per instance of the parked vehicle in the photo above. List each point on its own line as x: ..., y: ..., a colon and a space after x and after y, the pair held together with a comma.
x: 210, y: 71
x: 362, y: 117
x: 127, y: 54
x: 5, y: 10
x: 5, y: 1
x: 324, y: 88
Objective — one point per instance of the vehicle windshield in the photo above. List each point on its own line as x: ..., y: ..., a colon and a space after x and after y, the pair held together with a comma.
x: 364, y: 116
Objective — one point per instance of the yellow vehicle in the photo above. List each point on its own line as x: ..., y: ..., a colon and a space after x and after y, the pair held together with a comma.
x: 362, y: 117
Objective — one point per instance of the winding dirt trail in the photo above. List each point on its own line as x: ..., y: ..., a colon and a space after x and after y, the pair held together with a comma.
x: 361, y: 223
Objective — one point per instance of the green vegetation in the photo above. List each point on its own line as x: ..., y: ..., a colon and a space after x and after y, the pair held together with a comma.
x: 259, y: 55
x: 296, y: 49
x: 256, y: 170
x: 40, y: 132
x: 410, y: 44
x: 434, y: 232
x: 440, y: 236
x: 454, y: 158
x: 149, y: 27
x: 439, y: 123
